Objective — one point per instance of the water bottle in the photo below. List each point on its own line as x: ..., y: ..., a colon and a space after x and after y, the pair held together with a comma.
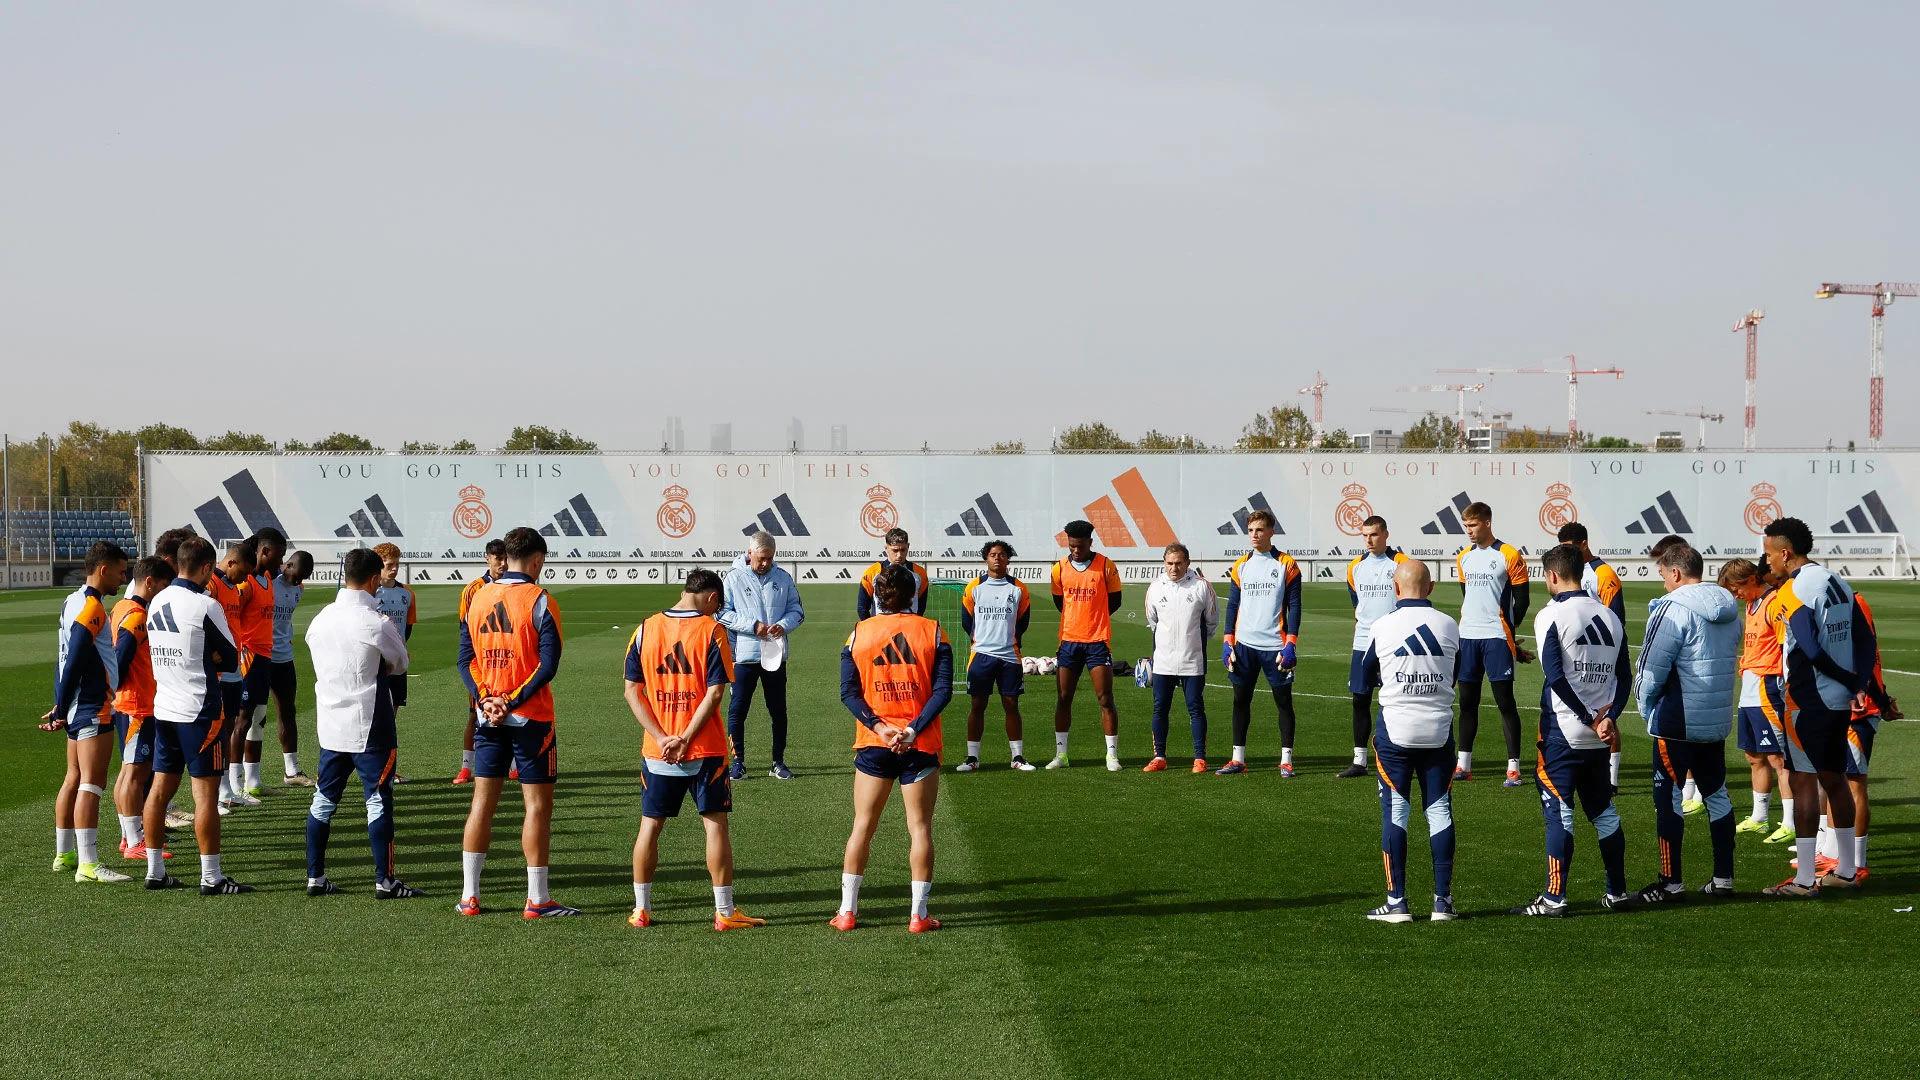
x: 1143, y: 673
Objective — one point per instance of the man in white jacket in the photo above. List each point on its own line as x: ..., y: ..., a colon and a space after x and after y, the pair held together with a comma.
x: 1182, y: 613
x: 356, y: 653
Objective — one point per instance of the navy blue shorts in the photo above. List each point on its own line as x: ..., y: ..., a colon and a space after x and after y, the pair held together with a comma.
x: 88, y: 721
x: 532, y: 748
x: 908, y: 768
x: 662, y: 793
x: 1817, y: 740
x: 1860, y: 735
x: 195, y: 747
x: 135, y: 738
x: 1492, y: 657
x: 1074, y: 655
x: 993, y: 675
x: 1249, y: 663
x: 1356, y: 681
x: 1757, y: 733
x: 254, y: 687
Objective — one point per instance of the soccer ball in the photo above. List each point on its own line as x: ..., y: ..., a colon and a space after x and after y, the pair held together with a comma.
x: 1030, y: 665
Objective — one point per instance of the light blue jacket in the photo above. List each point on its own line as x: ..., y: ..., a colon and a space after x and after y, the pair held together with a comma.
x: 1689, y: 667
x: 768, y: 598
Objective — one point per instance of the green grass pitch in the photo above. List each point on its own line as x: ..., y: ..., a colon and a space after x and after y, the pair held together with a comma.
x: 1097, y: 924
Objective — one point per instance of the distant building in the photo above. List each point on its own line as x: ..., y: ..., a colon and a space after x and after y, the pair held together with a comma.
x: 1377, y: 441
x: 674, y: 439
x: 1670, y: 440
x: 722, y: 441
x: 796, y: 436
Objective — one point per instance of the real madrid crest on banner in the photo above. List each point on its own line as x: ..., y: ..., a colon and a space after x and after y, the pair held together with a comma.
x: 1353, y: 509
x: 675, y: 516
x: 471, y: 518
x: 1558, y: 510
x: 1763, y: 509
x: 879, y: 514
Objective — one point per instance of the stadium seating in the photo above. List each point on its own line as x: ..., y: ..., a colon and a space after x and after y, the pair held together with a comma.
x: 72, y: 532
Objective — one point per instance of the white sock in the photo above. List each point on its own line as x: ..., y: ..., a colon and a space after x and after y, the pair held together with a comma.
x: 1286, y: 755
x: 62, y: 841
x: 1060, y: 744
x: 1786, y: 810
x: 210, y: 870
x: 1691, y: 793
x: 470, y: 864
x: 466, y: 759
x: 1016, y: 748
x: 1613, y: 768
x: 1465, y: 761
x: 1760, y: 801
x: 235, y: 780
x: 1359, y: 755
x: 129, y: 829
x: 921, y: 889
x: 292, y: 763
x: 251, y: 770
x: 537, y: 885
x: 1845, y: 853
x: 1860, y: 851
x: 1113, y: 744
x: 723, y: 899
x: 849, y: 893
x: 1826, y: 845
x: 1804, y: 847
x: 89, y: 844
x: 1513, y: 764
x: 321, y: 880
x: 156, y: 864
x: 973, y: 749
x: 643, y: 896
x: 1240, y: 754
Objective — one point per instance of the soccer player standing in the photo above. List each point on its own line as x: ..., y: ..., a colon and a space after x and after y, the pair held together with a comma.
x: 258, y: 605
x: 1760, y: 736
x: 994, y: 611
x: 1371, y: 590
x: 509, y: 654
x: 896, y: 674
x: 678, y: 668
x: 1689, y: 667
x: 1495, y: 595
x: 1585, y: 662
x: 1263, y: 630
x: 1412, y: 657
x: 227, y: 587
x: 1086, y: 592
x: 1182, y: 613
x: 283, y: 681
x: 1601, y: 581
x: 496, y: 552
x: 133, y: 701
x: 354, y: 647
x: 191, y: 647
x: 87, y: 675
x: 761, y: 609
x: 1869, y: 705
x: 897, y: 543
x: 1821, y: 671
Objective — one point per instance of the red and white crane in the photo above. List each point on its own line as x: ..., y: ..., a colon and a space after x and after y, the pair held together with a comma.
x: 1572, y: 375
x: 1460, y: 414
x: 1750, y: 322
x: 1883, y: 294
x: 1701, y: 415
x: 1319, y: 391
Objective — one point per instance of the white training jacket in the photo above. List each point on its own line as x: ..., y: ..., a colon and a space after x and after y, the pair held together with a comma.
x: 1181, y: 615
x: 350, y: 641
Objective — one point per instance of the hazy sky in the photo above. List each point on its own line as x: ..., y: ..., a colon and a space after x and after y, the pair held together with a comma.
x: 951, y: 223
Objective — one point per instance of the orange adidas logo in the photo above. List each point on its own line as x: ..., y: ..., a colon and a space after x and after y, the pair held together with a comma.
x: 1111, y: 527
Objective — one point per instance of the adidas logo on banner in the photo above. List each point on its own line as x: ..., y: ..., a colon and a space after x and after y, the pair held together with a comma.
x: 699, y: 553
x: 1421, y: 643
x: 1652, y: 523
x: 949, y: 554
x: 1869, y: 516
x: 983, y: 518
x: 1448, y: 519
x: 676, y: 662
x: 578, y: 519
x: 780, y: 519
x: 497, y: 621
x: 1237, y: 525
x: 1111, y: 528
x: 455, y: 575
x: 1596, y: 633
x: 380, y: 523
x: 844, y: 575
x: 812, y: 574
x: 217, y: 523
x: 823, y: 553
x: 896, y: 652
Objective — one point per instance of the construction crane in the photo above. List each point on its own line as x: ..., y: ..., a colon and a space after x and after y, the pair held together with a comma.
x: 1701, y: 415
x: 1571, y: 374
x: 1460, y: 415
x: 1883, y: 294
x: 1750, y: 322
x: 1319, y: 391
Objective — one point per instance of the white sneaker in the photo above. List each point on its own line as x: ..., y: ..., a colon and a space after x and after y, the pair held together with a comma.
x: 224, y: 808
x: 1113, y: 761
x: 1021, y: 764
x: 972, y: 764
x: 1059, y: 762
x: 178, y: 819
x: 97, y: 872
x: 242, y: 799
